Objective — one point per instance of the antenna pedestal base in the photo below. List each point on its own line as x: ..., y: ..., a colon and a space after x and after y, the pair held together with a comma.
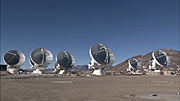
x: 37, y: 71
x: 61, y: 72
x: 98, y: 72
x: 13, y: 70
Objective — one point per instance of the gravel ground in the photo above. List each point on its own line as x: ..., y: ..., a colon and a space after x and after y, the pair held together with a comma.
x: 107, y: 88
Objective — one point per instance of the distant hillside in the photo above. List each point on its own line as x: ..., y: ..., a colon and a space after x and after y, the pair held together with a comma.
x: 145, y: 61
x: 81, y: 68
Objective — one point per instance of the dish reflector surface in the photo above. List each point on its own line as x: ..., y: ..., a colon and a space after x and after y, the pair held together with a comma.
x: 64, y: 59
x: 134, y: 63
x: 41, y: 56
x: 14, y: 57
x: 102, y: 54
x: 161, y: 58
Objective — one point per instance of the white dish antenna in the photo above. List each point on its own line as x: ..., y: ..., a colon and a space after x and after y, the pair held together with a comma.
x: 101, y: 57
x: 14, y: 59
x: 160, y: 58
x: 134, y: 66
x: 40, y: 58
x: 64, y: 61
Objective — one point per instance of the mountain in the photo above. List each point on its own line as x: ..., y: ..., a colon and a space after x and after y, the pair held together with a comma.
x: 146, y: 60
x: 81, y: 68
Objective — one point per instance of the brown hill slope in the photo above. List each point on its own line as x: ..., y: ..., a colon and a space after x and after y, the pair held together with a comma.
x: 145, y: 61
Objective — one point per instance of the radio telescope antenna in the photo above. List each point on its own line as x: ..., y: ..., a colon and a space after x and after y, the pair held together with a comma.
x: 101, y: 57
x: 64, y: 61
x: 160, y: 58
x: 134, y: 66
x: 14, y: 59
x: 40, y: 58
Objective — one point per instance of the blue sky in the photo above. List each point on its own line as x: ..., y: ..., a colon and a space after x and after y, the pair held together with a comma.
x: 127, y: 27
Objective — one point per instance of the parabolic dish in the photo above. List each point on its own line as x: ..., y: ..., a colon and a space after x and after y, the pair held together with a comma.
x: 14, y: 58
x: 102, y: 54
x: 41, y: 56
x: 161, y: 58
x: 64, y: 59
x: 134, y: 63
